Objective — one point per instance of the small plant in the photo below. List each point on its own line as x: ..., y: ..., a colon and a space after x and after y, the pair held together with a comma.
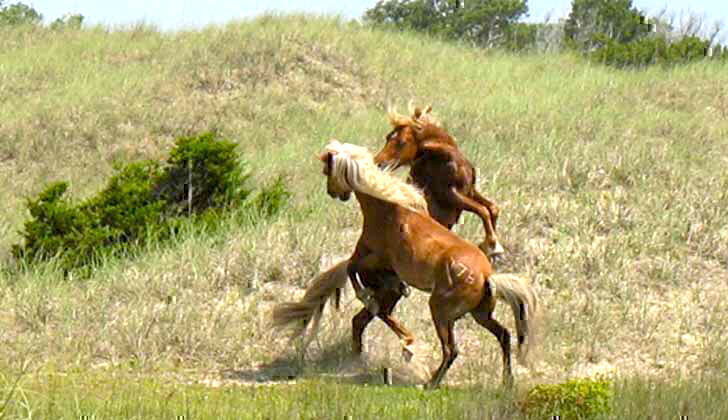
x: 575, y: 399
x: 271, y: 199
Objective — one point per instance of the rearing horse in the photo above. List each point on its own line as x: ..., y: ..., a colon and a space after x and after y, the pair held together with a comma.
x: 398, y: 235
x: 440, y: 170
x: 448, y: 179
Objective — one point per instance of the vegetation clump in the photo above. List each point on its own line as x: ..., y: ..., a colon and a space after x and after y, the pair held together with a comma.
x: 574, y: 399
x: 144, y: 201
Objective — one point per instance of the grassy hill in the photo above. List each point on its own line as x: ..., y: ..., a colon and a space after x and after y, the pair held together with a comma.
x: 612, y: 184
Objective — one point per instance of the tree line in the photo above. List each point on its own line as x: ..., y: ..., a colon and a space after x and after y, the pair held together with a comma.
x: 609, y: 31
x: 613, y: 32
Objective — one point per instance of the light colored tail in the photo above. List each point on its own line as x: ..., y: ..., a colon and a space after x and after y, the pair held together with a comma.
x: 309, y: 309
x: 518, y: 293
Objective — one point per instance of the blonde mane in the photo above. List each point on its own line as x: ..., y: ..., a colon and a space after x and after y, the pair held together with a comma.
x: 354, y: 166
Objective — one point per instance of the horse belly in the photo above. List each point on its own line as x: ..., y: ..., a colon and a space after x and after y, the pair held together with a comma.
x: 414, y: 266
x: 415, y: 276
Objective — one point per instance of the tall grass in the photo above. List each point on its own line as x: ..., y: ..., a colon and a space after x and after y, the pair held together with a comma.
x: 612, y: 186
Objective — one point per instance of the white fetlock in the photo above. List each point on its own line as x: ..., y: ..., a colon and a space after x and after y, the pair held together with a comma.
x: 498, y: 249
x: 408, y: 353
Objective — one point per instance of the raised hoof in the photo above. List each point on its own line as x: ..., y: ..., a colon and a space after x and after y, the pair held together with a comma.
x: 491, y: 251
x: 407, y: 353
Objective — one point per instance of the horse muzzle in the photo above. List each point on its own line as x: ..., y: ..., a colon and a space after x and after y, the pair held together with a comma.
x: 391, y: 165
x: 344, y: 196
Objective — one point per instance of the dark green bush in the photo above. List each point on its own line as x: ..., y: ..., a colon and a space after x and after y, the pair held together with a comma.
x: 575, y: 399
x: 201, y: 173
x: 144, y: 202
x: 652, y: 50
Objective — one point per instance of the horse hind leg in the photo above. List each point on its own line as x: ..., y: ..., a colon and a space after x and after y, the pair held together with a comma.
x: 358, y: 324
x: 387, y: 300
x: 384, y: 298
x: 491, y: 205
x: 450, y: 351
x: 491, y: 245
x: 483, y: 316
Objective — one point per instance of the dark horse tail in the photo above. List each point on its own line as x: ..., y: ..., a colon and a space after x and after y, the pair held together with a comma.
x: 521, y: 297
x: 307, y: 312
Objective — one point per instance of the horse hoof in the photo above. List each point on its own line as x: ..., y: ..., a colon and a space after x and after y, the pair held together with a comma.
x: 431, y: 386
x: 407, y: 354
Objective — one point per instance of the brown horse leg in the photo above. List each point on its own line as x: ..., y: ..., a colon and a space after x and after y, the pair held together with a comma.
x: 403, y: 333
x: 358, y: 325
x: 491, y: 245
x: 484, y: 317
x: 444, y: 330
x: 491, y: 205
x: 387, y: 294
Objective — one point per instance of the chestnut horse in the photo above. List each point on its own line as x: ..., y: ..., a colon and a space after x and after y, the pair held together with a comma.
x: 398, y: 234
x: 448, y: 180
x: 439, y: 168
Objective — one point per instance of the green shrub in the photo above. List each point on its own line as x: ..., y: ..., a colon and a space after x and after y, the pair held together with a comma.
x: 575, y: 399
x: 201, y: 173
x: 142, y: 202
x: 652, y: 50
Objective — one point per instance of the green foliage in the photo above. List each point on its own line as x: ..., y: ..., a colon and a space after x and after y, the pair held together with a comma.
x: 19, y: 14
x: 522, y: 36
x: 652, y: 50
x: 143, y: 202
x: 417, y: 15
x: 484, y: 23
x: 201, y: 173
x: 591, y: 22
x: 270, y: 200
x: 68, y: 22
x: 574, y: 399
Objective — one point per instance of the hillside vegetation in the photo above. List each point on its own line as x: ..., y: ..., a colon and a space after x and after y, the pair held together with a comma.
x: 612, y: 184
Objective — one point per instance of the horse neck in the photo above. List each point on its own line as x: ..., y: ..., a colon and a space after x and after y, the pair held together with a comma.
x: 373, y: 208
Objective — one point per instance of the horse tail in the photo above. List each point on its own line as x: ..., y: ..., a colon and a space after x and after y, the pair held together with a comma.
x: 309, y: 309
x: 521, y: 297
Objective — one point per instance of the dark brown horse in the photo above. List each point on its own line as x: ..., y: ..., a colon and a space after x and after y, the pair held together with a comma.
x: 439, y: 168
x: 399, y: 235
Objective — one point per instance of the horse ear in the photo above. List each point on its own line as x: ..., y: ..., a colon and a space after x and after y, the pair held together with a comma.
x: 418, y: 112
x: 328, y: 160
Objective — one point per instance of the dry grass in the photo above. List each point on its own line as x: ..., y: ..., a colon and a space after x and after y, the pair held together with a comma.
x: 612, y: 185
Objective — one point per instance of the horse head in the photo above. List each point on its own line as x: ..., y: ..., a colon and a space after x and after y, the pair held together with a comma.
x: 336, y: 187
x: 403, y: 145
